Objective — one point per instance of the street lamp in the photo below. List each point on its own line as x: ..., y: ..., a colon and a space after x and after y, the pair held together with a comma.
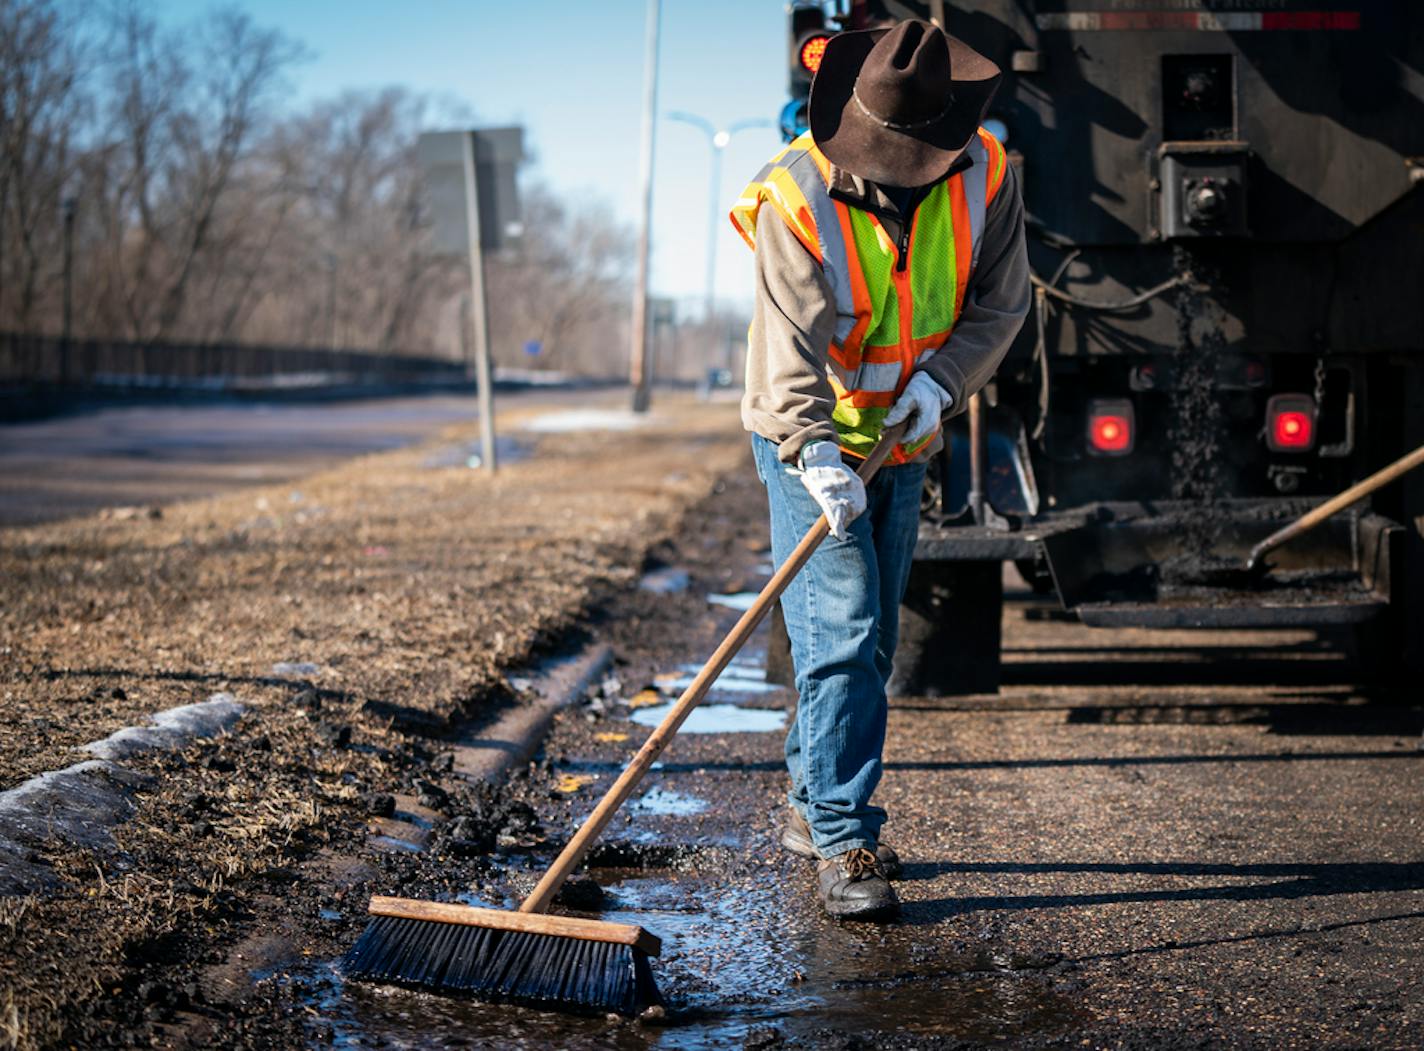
x: 717, y: 139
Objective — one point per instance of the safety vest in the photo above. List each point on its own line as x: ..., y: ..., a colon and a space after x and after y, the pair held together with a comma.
x: 892, y: 314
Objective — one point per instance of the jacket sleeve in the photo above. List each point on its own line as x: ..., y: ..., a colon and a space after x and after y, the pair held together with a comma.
x: 995, y: 305
x: 788, y: 397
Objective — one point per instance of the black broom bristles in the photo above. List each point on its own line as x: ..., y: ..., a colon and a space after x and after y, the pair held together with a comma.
x: 487, y: 963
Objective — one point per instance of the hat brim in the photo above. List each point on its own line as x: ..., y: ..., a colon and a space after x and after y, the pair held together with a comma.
x: 853, y: 140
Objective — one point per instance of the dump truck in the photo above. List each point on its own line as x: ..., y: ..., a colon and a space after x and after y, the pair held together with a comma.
x: 1225, y: 221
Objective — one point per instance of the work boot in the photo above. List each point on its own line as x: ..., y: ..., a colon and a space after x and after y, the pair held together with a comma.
x: 852, y: 887
x: 796, y: 837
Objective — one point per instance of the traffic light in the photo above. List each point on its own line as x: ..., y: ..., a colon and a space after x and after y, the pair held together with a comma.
x: 808, y: 42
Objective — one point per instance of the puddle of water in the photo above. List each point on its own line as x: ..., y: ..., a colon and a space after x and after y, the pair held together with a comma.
x: 739, y: 955
x: 745, y: 675
x: 741, y: 601
x: 659, y: 800
x: 717, y: 719
x: 666, y: 581
x: 733, y: 680
x: 395, y: 844
x: 507, y: 449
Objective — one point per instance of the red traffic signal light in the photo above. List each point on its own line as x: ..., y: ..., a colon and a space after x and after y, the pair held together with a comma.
x: 808, y: 43
x: 810, y: 51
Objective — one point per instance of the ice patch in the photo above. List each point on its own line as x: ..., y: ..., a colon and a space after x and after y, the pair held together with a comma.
x: 741, y: 601
x: 717, y: 719
x: 171, y: 729
x: 305, y: 668
x: 76, y: 806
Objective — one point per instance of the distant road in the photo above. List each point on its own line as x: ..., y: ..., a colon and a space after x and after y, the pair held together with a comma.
x: 78, y: 464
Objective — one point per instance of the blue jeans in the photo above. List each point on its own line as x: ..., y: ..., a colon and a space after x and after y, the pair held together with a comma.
x: 843, y: 616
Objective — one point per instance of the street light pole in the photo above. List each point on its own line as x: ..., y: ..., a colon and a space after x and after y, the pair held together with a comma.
x: 717, y: 139
x: 640, y: 367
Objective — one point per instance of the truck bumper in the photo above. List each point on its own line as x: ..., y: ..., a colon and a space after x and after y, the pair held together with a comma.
x: 1123, y: 566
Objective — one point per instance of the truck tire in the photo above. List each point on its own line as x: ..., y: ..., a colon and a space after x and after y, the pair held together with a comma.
x: 950, y: 630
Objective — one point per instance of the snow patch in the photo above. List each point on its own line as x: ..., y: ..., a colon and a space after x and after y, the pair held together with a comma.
x: 586, y: 420
x: 171, y: 729
x: 76, y: 806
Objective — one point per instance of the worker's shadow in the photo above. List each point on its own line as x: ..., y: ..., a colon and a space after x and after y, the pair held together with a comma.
x: 1277, y: 881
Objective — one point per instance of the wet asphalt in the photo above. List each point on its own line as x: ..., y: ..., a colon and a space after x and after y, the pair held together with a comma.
x: 1148, y: 839
x: 153, y: 455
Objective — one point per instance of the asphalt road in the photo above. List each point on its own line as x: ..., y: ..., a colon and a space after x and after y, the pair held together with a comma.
x: 1188, y: 839
x: 152, y: 455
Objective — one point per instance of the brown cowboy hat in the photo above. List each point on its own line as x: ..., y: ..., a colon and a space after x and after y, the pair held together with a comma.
x: 898, y: 106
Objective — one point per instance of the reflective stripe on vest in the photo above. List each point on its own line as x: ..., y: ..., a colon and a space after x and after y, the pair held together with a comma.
x: 887, y: 321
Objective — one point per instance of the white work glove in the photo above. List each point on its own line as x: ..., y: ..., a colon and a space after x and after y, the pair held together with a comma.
x: 922, y: 402
x: 833, y: 485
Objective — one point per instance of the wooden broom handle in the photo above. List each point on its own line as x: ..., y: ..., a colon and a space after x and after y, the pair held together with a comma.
x: 1336, y: 504
x: 542, y: 896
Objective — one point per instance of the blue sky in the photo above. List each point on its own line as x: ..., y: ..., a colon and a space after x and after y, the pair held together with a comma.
x: 571, y: 73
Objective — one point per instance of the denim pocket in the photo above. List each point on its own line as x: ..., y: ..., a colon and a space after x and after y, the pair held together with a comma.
x: 758, y: 453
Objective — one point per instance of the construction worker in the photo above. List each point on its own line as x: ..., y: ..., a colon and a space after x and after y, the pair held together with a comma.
x: 891, y: 277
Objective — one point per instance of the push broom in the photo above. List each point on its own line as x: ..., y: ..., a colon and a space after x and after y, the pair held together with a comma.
x: 528, y: 956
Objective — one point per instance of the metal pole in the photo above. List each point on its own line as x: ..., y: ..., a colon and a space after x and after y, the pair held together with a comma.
x: 639, y: 366
x: 331, y: 300
x: 976, y: 458
x: 70, y: 207
x: 713, y: 196
x: 479, y: 313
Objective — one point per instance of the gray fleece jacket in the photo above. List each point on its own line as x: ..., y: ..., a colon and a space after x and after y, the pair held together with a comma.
x: 788, y: 396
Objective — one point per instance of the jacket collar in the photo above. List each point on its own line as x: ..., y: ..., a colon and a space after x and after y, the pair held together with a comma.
x: 868, y: 197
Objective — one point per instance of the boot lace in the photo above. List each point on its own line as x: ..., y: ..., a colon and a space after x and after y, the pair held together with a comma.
x: 860, y: 863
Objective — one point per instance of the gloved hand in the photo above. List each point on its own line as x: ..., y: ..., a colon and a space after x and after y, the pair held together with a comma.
x: 833, y: 485
x: 922, y: 402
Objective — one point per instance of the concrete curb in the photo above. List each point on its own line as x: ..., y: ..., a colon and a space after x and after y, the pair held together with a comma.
x: 491, y: 752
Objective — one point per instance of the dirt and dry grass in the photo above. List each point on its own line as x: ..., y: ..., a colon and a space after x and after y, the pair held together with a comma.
x: 411, y: 589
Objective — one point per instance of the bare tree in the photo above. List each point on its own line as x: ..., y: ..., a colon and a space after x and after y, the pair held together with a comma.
x: 184, y: 120
x: 41, y: 110
x: 565, y: 285
x: 206, y: 216
x: 358, y: 224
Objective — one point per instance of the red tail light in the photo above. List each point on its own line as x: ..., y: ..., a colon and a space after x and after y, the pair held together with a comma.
x: 1290, y: 423
x: 1112, y: 427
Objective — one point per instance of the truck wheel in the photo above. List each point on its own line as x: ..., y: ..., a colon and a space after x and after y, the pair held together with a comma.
x: 1378, y: 649
x: 950, y: 630
x: 1384, y: 648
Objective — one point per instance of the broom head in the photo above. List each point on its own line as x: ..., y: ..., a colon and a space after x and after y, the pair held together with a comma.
x: 519, y: 957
